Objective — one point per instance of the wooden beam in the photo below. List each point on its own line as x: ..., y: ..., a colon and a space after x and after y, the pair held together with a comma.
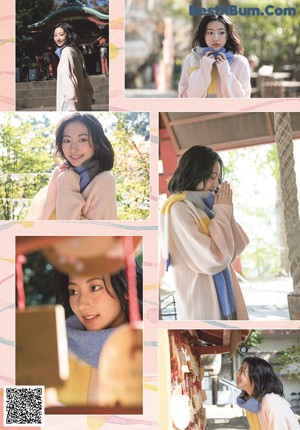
x: 212, y: 349
x: 202, y: 118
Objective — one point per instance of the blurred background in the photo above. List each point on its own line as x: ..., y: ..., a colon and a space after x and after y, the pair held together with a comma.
x: 36, y: 61
x: 259, y: 172
x: 209, y: 360
x: 158, y: 37
x: 26, y: 160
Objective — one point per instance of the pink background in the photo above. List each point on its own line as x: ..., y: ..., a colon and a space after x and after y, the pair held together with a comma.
x: 9, y: 229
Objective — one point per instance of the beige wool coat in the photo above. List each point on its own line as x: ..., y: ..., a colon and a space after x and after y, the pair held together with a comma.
x: 96, y: 202
x: 276, y: 414
x: 195, y: 258
x: 233, y: 80
x: 74, y: 91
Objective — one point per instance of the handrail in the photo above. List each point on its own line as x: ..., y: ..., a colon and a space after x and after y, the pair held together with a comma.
x: 228, y: 383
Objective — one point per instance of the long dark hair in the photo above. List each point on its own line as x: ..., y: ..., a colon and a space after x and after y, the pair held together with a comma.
x: 104, y: 152
x: 72, y: 36
x: 196, y: 165
x: 233, y: 44
x: 262, y: 375
x: 118, y: 282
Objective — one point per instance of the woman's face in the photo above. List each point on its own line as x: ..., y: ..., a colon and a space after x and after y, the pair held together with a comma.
x: 215, y: 35
x: 77, y: 145
x: 213, y: 181
x: 94, y: 302
x: 243, y: 380
x: 60, y: 37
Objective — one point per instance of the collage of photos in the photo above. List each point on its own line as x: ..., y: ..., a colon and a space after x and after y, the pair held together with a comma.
x: 149, y: 215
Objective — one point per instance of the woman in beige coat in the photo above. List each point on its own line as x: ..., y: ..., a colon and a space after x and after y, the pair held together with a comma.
x: 82, y: 187
x: 74, y: 91
x: 200, y: 239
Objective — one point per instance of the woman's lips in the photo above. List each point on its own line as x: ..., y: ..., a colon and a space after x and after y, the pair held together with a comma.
x: 89, y: 319
x: 75, y: 157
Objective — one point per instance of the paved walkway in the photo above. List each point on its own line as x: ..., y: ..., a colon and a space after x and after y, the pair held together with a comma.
x: 225, y: 417
x: 150, y: 93
x: 265, y: 300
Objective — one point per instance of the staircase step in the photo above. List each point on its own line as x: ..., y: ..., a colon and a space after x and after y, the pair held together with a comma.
x: 41, y: 95
x: 95, y: 108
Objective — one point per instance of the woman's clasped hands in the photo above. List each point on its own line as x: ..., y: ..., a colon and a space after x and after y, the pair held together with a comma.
x: 224, y: 194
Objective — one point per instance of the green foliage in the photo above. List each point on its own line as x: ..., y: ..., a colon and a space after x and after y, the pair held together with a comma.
x: 25, y: 162
x: 38, y: 280
x: 128, y: 133
x: 253, y: 173
x: 31, y: 11
x: 273, y: 39
x: 289, y: 362
x: 255, y: 339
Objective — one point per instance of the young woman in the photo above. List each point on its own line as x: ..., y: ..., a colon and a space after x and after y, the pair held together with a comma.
x: 262, y: 397
x: 215, y: 67
x: 82, y: 186
x: 200, y: 239
x: 74, y: 91
x: 95, y: 306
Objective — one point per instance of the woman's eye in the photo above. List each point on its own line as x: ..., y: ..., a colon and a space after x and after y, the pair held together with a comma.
x: 95, y: 288
x: 72, y: 292
x: 66, y: 141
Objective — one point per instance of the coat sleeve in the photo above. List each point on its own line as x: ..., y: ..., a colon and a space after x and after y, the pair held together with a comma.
x: 203, y: 254
x: 69, y: 200
x: 196, y: 83
x: 235, y: 84
x: 69, y: 67
x: 240, y: 238
x: 278, y: 414
x: 184, y: 79
x: 101, y: 199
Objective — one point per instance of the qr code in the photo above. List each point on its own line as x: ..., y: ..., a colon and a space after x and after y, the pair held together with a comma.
x: 23, y: 406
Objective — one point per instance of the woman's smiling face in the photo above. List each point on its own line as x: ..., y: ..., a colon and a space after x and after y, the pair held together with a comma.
x: 60, y: 37
x: 243, y: 379
x: 94, y: 302
x: 77, y: 145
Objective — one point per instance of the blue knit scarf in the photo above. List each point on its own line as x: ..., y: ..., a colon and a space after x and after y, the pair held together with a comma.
x: 251, y: 405
x: 86, y: 344
x: 229, y: 55
x: 58, y: 52
x: 222, y: 280
x: 87, y: 171
x: 204, y: 201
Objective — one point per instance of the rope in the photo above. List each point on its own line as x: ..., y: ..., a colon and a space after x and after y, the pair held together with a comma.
x: 285, y: 148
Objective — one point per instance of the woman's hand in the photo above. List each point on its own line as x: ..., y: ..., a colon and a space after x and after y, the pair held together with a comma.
x: 62, y: 167
x: 221, y: 58
x: 209, y: 54
x: 224, y: 195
